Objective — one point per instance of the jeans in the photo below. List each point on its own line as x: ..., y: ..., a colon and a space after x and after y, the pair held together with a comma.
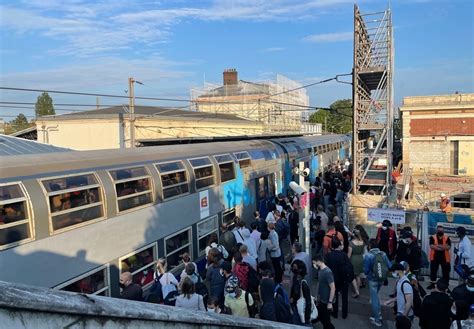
x: 374, y: 287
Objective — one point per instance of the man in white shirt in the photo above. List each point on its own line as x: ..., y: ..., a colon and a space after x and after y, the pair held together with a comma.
x: 239, y: 226
x: 464, y: 248
x: 275, y: 251
x: 324, y: 218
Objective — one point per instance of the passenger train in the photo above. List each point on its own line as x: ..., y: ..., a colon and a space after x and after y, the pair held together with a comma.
x: 76, y: 220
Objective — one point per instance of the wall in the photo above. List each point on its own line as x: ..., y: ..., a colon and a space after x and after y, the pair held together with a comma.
x: 80, y: 134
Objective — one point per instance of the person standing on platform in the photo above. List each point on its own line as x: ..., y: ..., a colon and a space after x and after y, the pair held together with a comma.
x: 130, y: 290
x: 436, y: 308
x: 463, y: 252
x: 324, y: 218
x: 298, y: 253
x: 387, y: 239
x: 227, y: 239
x: 326, y: 292
x: 330, y: 234
x: 275, y: 250
x: 439, y: 255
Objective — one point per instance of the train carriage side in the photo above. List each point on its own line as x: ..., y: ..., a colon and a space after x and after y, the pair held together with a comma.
x: 101, y: 213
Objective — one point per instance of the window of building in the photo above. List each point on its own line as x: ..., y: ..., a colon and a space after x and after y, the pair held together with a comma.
x: 175, y: 246
x: 226, y: 167
x: 174, y: 179
x: 203, y: 172
x: 95, y: 282
x: 15, y: 224
x: 141, y: 264
x: 244, y: 159
x: 73, y: 200
x: 205, y: 229
x: 132, y: 187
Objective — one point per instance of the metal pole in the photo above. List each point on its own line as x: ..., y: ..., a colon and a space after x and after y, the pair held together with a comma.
x: 132, y: 110
x: 301, y: 211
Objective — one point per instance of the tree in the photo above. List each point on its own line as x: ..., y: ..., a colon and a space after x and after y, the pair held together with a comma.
x: 17, y: 124
x: 336, y: 119
x: 44, y: 105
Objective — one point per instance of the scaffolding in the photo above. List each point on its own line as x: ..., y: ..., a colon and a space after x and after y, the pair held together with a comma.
x: 274, y: 103
x: 373, y: 102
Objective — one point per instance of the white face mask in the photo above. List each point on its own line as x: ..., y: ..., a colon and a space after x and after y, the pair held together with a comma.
x: 395, y: 275
x: 384, y: 228
x: 453, y: 309
x: 232, y: 294
x: 471, y: 289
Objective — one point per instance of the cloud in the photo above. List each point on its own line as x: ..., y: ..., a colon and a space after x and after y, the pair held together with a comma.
x: 329, y: 37
x: 86, y: 28
x: 272, y: 49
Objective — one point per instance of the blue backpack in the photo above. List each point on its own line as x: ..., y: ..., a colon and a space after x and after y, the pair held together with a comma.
x: 282, y: 228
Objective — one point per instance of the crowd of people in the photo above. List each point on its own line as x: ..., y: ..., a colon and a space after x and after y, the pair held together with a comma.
x: 245, y: 265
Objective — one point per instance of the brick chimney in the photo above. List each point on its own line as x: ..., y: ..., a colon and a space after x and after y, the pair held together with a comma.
x: 230, y: 77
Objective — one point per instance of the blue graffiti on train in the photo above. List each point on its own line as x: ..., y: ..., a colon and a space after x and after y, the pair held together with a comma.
x: 314, y: 167
x: 236, y: 192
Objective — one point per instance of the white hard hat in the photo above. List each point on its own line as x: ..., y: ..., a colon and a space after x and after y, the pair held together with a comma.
x: 443, y: 195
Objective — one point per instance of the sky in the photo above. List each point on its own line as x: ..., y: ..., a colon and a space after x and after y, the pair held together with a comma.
x: 172, y: 46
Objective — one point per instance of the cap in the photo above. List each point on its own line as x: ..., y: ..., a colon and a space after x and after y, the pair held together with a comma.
x: 231, y: 284
x: 397, y: 267
x: 443, y: 195
x: 226, y: 266
x: 386, y: 223
x: 404, y: 264
x: 406, y: 235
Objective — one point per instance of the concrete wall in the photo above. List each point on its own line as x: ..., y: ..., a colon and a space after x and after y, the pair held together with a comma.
x: 32, y: 307
x: 81, y: 134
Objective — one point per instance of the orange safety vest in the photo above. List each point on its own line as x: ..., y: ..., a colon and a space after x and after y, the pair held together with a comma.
x: 445, y: 205
x: 446, y: 252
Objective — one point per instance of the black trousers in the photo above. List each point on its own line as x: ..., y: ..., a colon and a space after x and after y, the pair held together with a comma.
x: 343, y: 289
x: 276, y: 262
x: 324, y: 316
x: 445, y: 268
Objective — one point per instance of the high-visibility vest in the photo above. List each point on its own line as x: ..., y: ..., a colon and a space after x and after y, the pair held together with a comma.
x: 446, y: 252
x: 445, y: 205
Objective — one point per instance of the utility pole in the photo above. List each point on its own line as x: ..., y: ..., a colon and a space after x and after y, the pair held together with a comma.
x: 131, y: 94
x: 97, y: 102
x: 325, y: 124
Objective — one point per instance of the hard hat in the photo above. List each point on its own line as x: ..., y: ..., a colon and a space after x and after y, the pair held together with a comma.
x: 443, y: 195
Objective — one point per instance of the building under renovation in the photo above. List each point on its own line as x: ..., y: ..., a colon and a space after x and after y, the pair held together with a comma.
x: 273, y: 103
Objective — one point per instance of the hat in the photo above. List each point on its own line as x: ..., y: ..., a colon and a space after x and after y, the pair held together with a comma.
x: 386, y: 223
x: 397, y: 267
x: 226, y: 266
x: 404, y: 264
x: 406, y: 235
x: 443, y: 195
x: 231, y: 284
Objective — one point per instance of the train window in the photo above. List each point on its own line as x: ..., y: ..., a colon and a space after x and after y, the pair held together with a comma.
x: 203, y: 172
x: 267, y: 154
x: 95, y: 282
x: 226, y: 167
x: 175, y: 246
x: 15, y: 223
x: 174, y: 179
x: 74, y: 200
x: 271, y: 185
x: 205, y: 229
x: 256, y: 154
x: 132, y: 187
x: 228, y: 217
x: 244, y: 159
x: 140, y: 264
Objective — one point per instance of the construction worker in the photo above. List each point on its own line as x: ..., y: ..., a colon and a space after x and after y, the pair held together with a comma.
x: 439, y: 255
x: 445, y: 204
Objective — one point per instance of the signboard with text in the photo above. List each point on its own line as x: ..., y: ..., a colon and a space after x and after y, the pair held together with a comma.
x: 204, y: 203
x: 395, y: 216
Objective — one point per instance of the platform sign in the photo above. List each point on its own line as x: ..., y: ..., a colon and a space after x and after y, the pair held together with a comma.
x: 450, y: 223
x: 204, y: 203
x: 395, y: 216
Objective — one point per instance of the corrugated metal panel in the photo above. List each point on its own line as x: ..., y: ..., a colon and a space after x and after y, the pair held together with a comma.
x: 10, y: 145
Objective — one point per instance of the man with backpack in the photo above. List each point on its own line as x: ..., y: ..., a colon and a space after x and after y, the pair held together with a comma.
x: 436, y: 308
x: 376, y: 265
x: 330, y: 235
x: 404, y: 295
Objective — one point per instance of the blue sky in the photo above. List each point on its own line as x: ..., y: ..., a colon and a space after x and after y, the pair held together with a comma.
x: 171, y: 46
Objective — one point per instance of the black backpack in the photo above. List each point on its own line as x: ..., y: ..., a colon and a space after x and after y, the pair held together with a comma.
x: 156, y: 293
x: 253, y: 279
x: 201, y: 289
x: 252, y: 309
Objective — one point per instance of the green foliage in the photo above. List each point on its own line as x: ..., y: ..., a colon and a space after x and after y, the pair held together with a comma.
x: 336, y: 120
x: 17, y: 124
x: 44, y: 105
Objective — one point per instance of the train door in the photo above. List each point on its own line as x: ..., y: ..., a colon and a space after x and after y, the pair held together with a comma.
x: 265, y: 193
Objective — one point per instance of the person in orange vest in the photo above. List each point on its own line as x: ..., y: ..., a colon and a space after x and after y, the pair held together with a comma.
x: 387, y: 239
x: 445, y: 204
x: 439, y: 255
x: 327, y: 241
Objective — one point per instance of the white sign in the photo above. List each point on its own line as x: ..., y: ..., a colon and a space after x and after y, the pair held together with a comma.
x: 204, y: 203
x: 395, y: 216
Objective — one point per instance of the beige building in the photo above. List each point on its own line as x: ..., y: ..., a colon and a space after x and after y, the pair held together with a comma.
x: 109, y: 128
x: 438, y: 146
x: 267, y: 102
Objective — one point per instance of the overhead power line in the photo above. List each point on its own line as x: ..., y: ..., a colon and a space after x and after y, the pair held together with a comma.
x: 62, y: 104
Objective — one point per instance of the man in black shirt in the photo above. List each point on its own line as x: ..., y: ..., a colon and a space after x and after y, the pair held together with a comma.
x: 439, y: 255
x: 130, y: 290
x: 436, y: 308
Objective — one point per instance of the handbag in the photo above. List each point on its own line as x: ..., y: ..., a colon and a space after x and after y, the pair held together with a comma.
x: 168, y: 287
x: 301, y: 305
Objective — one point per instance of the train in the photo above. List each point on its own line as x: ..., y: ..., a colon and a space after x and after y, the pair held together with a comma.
x: 76, y: 220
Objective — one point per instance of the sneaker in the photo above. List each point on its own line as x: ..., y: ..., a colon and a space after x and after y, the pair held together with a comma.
x: 431, y: 286
x: 376, y: 323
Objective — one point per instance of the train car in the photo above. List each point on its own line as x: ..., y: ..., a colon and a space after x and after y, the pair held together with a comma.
x: 76, y: 220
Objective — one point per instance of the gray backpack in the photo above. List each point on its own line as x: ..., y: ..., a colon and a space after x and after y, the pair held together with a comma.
x: 380, y: 268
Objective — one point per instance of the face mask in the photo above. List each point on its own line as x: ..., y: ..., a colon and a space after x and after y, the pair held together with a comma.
x: 395, y: 275
x: 294, y: 271
x: 384, y: 228
x: 453, y: 309
x: 145, y: 272
x: 221, y: 272
x: 471, y: 289
x: 122, y: 285
x: 440, y: 233
x: 232, y: 294
x: 316, y: 266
